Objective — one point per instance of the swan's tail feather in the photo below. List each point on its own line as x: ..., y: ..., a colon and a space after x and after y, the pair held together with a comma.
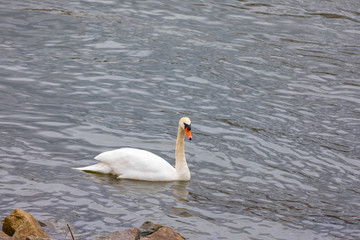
x: 99, y: 168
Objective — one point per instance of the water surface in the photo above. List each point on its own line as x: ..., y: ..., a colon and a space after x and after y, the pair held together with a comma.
x: 272, y: 89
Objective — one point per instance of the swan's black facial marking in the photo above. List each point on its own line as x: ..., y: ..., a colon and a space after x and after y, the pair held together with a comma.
x: 187, y: 126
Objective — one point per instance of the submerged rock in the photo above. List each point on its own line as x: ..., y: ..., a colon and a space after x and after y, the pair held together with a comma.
x: 22, y: 225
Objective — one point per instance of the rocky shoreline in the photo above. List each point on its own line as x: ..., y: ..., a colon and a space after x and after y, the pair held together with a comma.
x: 21, y: 225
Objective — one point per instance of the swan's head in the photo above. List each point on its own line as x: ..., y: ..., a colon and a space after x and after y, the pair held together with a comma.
x: 185, y: 124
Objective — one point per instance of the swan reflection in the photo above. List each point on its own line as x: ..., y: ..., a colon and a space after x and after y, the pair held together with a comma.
x: 143, y: 189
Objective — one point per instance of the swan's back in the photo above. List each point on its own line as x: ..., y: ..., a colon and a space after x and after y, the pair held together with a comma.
x: 132, y: 163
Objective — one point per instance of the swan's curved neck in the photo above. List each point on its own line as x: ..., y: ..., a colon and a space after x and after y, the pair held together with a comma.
x: 180, y: 161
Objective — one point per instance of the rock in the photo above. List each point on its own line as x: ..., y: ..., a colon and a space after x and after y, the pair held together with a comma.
x: 4, y: 236
x: 20, y: 225
x: 148, y: 228
x: 164, y: 233
x: 128, y: 234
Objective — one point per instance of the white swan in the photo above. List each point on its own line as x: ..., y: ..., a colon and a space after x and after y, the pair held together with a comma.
x: 132, y: 163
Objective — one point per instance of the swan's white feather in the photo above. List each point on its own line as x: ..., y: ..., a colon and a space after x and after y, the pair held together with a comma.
x: 132, y: 163
x: 100, y: 168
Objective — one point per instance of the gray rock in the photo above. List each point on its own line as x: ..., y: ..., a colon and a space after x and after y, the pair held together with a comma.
x: 128, y: 234
x: 148, y: 228
x: 164, y: 233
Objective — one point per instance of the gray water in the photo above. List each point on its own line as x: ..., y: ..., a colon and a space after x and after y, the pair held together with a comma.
x: 272, y: 89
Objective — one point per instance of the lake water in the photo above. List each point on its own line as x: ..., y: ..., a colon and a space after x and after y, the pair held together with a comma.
x: 272, y: 89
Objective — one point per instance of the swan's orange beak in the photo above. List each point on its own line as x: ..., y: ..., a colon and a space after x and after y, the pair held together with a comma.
x: 188, y: 133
